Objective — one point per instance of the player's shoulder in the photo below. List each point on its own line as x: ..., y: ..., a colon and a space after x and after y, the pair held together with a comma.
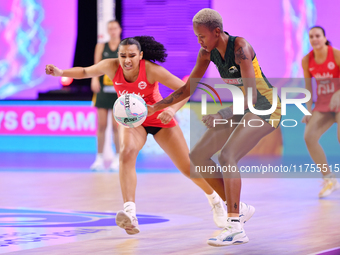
x: 154, y: 70
x: 151, y: 67
x: 305, y: 60
x: 240, y: 42
x: 203, y: 54
x: 243, y: 45
x: 242, y: 49
x: 336, y: 54
x: 335, y: 50
x: 149, y: 64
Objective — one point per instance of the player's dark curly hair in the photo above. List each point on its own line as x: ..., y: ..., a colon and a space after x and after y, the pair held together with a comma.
x: 152, y: 50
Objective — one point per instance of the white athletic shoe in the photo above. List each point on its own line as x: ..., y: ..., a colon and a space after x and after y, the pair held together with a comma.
x: 232, y: 234
x: 220, y: 215
x: 114, y: 166
x: 329, y: 185
x: 98, y: 165
x: 128, y: 222
x: 246, y: 212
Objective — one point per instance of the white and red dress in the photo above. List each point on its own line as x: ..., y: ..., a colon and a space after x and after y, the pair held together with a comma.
x: 149, y: 92
x: 327, y: 79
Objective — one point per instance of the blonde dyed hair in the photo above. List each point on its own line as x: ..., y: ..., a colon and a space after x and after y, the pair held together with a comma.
x: 209, y: 18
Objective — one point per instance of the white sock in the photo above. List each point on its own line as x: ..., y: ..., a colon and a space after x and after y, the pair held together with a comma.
x: 99, y: 156
x: 235, y: 222
x: 130, y: 207
x: 213, y: 198
x: 330, y: 175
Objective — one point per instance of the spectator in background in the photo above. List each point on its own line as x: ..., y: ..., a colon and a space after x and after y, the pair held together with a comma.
x: 105, y: 96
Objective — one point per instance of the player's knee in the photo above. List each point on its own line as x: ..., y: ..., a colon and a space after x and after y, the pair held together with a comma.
x: 101, y: 127
x: 186, y: 171
x: 195, y: 158
x: 310, y: 139
x: 226, y: 157
x: 127, y: 154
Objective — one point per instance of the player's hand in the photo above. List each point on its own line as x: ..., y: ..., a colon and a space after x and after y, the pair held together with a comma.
x: 95, y: 85
x: 167, y: 115
x: 208, y: 120
x: 335, y: 101
x: 151, y: 109
x: 306, y: 118
x: 53, y: 70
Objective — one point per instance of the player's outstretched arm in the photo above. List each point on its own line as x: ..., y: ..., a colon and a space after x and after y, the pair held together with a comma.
x: 158, y: 73
x: 185, y: 91
x: 103, y: 67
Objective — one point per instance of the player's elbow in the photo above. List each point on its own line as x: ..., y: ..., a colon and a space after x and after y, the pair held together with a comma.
x: 187, y: 91
x: 84, y: 74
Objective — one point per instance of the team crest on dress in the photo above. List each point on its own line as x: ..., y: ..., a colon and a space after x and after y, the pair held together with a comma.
x: 233, y: 69
x: 106, y: 54
x: 142, y: 85
x: 331, y: 65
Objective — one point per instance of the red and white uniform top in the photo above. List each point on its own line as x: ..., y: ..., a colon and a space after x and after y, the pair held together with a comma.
x: 327, y: 79
x: 141, y: 87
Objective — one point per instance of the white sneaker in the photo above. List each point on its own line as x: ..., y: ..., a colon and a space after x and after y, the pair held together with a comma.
x: 114, y: 166
x: 329, y: 185
x: 246, y: 212
x: 232, y: 234
x: 128, y: 222
x: 220, y: 215
x: 98, y: 165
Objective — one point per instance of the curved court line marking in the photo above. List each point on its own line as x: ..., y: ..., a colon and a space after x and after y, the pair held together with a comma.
x: 333, y: 251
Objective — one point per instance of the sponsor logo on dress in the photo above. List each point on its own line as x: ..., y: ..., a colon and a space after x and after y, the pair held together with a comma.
x: 324, y: 75
x: 106, y: 54
x: 233, y: 69
x: 331, y: 65
x: 142, y: 85
x: 311, y: 69
x: 326, y: 87
x: 233, y: 81
x: 124, y: 92
x: 117, y: 83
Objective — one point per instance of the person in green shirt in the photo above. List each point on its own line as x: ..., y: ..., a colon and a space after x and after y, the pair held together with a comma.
x: 104, y: 96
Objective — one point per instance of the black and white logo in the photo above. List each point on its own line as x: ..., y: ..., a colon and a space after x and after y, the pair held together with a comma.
x: 127, y: 101
x: 126, y: 120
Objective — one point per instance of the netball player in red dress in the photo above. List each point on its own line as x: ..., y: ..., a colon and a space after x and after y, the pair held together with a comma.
x: 322, y: 63
x: 135, y: 72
